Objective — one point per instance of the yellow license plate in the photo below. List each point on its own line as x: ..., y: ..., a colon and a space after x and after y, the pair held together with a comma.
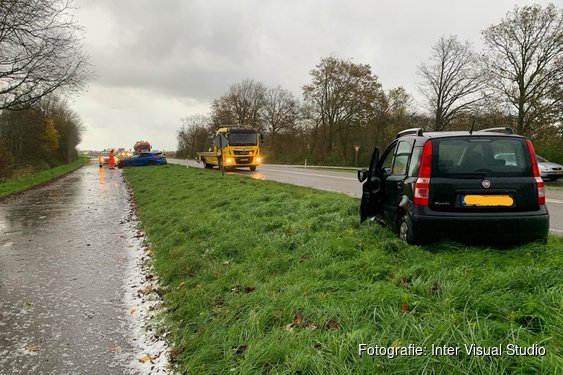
x: 487, y: 200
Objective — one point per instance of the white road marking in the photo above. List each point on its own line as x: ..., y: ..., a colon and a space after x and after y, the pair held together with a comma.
x: 310, y: 174
x: 554, y: 201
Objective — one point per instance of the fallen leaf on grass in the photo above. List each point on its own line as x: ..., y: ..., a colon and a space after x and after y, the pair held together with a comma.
x: 313, y: 326
x: 148, y: 358
x: 240, y: 349
x: 297, y: 319
x: 249, y: 289
x: 235, y: 289
x: 405, y: 307
x: 181, y: 285
x: 332, y: 324
x: 32, y: 348
x: 147, y: 290
x: 405, y: 282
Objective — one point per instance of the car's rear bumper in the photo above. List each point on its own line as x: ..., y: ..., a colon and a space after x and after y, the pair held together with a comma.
x: 482, y: 227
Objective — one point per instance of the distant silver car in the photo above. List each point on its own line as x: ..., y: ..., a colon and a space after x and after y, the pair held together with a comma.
x: 548, y: 169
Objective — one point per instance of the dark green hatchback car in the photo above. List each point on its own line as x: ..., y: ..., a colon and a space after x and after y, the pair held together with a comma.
x: 478, y: 186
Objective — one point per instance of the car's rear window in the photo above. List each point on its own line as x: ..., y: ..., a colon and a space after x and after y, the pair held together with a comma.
x: 489, y: 156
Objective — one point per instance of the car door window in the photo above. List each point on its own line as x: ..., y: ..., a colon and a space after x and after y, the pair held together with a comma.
x: 387, y: 161
x: 401, y: 159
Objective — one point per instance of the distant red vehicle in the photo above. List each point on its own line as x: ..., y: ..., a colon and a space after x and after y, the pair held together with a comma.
x: 142, y: 146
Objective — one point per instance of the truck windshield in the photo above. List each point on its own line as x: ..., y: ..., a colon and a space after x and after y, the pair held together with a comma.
x: 242, y: 139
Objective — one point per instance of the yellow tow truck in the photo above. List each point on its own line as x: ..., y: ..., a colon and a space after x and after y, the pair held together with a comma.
x: 235, y: 148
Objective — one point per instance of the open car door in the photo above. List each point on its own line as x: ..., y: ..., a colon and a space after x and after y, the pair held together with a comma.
x: 371, y: 200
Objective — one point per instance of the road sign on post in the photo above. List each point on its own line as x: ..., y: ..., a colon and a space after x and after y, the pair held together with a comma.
x: 357, y: 148
x: 221, y: 142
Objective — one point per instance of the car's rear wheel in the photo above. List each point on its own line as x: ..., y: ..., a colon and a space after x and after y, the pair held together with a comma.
x: 253, y: 168
x: 406, y: 231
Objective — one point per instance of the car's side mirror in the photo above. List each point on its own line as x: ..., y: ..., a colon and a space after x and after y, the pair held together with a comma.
x: 362, y: 174
x: 386, y: 171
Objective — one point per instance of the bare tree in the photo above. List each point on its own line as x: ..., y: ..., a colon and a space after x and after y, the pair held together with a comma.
x: 523, y: 51
x: 222, y: 112
x: 246, y: 98
x: 341, y: 95
x: 452, y: 82
x: 194, y: 135
x: 240, y: 106
x: 398, y: 114
x: 40, y: 51
x: 280, y: 110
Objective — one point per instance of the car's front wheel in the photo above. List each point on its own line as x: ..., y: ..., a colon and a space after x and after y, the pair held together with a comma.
x: 406, y: 231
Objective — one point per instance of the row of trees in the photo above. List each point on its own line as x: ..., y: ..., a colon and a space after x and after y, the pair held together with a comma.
x: 43, y: 135
x: 40, y: 58
x: 516, y: 81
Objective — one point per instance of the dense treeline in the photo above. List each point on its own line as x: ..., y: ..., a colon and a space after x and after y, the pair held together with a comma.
x: 40, y: 57
x: 41, y: 136
x: 517, y: 81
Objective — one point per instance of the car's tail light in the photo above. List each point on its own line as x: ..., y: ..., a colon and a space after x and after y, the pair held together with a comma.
x: 422, y: 184
x: 536, y: 172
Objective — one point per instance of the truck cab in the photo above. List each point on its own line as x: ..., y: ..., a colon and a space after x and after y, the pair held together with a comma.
x: 243, y: 150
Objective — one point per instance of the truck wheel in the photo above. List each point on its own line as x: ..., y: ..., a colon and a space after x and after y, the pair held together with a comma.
x: 406, y: 231
x: 253, y: 168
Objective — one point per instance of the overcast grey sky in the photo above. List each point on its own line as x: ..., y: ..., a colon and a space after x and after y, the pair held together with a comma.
x: 159, y: 61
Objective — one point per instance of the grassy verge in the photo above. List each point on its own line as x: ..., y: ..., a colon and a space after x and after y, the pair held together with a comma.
x: 24, y: 183
x: 262, y: 277
x: 554, y: 185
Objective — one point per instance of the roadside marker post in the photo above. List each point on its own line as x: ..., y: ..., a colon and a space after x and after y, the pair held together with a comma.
x: 357, y: 148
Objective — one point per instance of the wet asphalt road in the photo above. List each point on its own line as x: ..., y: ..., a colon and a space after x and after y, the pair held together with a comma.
x: 63, y: 261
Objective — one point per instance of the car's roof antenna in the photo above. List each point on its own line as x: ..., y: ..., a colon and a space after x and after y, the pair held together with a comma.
x: 472, y: 126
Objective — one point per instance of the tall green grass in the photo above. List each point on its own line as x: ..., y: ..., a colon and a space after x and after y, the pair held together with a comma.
x: 17, y: 185
x: 262, y: 277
